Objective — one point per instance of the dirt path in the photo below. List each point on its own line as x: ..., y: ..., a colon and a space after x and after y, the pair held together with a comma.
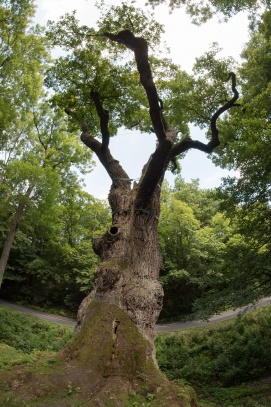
x: 173, y: 326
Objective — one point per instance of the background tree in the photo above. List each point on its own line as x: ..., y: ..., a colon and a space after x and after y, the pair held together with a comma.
x: 52, y: 263
x: 193, y: 236
x: 34, y: 166
x: 22, y: 58
x: 245, y: 276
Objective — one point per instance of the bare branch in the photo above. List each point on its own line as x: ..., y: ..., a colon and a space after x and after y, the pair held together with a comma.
x: 117, y: 174
x: 214, y: 142
x: 158, y: 162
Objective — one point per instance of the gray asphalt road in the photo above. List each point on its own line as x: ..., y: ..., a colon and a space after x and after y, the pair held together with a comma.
x: 38, y: 314
x: 173, y: 326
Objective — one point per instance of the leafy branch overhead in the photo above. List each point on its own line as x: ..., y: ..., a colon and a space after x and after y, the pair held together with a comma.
x: 201, y: 12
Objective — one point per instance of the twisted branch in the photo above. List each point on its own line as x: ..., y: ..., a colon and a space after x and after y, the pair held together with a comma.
x: 187, y: 144
x: 115, y: 171
x: 158, y: 162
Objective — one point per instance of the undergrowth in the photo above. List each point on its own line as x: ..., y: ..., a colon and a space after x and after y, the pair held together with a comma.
x: 228, y: 353
x: 222, y: 360
x: 28, y: 334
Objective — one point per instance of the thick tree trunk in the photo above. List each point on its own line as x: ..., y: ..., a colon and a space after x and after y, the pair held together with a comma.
x: 130, y: 261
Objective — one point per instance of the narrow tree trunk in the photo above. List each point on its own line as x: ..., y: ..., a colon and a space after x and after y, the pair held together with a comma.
x: 12, y: 232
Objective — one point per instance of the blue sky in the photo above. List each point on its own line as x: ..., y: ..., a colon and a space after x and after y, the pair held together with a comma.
x: 186, y: 42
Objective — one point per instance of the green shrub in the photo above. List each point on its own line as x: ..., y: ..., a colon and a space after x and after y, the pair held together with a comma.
x: 27, y: 334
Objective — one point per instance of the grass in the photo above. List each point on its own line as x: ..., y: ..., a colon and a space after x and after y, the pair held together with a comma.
x: 228, y: 363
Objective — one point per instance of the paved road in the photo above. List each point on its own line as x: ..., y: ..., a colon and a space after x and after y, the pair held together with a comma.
x: 38, y: 314
x: 173, y: 326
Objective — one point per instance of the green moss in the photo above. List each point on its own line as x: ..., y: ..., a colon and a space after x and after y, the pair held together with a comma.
x: 123, y: 353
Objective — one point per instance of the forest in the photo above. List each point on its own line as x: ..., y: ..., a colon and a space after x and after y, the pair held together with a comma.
x: 172, y: 252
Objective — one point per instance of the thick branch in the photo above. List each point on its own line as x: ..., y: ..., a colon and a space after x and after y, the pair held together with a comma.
x: 158, y: 162
x: 104, y: 119
x: 117, y: 174
x: 140, y: 48
x: 155, y: 170
x: 153, y: 176
x: 187, y: 143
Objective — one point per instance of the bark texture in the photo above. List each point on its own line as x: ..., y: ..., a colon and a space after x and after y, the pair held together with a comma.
x: 130, y: 260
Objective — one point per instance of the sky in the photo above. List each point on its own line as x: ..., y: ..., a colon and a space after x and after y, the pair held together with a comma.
x: 186, y: 42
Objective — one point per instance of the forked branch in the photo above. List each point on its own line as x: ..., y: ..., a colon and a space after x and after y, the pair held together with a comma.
x: 214, y: 142
x: 117, y: 174
x: 157, y: 164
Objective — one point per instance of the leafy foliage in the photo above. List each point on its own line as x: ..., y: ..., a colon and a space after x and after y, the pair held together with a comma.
x: 203, y: 11
x: 22, y: 57
x: 52, y: 257
x: 193, y: 236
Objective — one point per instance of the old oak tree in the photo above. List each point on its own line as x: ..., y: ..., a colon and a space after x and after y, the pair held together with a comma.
x: 114, y: 340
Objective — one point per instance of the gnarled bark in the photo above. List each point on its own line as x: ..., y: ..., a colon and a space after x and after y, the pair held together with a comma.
x: 131, y: 260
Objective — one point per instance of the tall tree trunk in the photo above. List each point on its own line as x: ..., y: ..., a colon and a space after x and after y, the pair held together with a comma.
x: 12, y: 231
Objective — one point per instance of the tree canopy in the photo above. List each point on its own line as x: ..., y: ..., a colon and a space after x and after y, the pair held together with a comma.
x: 201, y: 12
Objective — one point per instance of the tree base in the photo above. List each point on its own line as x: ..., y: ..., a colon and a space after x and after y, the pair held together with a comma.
x: 108, y: 363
